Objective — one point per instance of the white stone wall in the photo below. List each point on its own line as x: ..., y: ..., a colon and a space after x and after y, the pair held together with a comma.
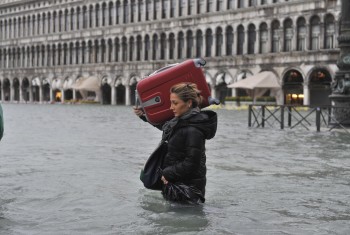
x: 49, y: 40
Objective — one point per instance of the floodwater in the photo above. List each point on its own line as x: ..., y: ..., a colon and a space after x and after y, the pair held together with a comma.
x: 74, y: 169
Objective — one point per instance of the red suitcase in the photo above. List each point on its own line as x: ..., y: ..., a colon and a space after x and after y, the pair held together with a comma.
x: 153, y: 92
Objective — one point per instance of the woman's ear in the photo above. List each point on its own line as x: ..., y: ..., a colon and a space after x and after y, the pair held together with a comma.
x: 189, y: 103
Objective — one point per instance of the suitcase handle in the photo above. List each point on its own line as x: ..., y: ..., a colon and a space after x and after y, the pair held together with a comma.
x: 199, y: 62
x: 164, y: 68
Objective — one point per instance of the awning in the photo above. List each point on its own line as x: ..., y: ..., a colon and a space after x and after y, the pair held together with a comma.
x: 91, y: 83
x: 256, y: 85
x: 264, y: 79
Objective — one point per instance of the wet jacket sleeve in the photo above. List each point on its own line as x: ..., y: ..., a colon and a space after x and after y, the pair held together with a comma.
x: 193, y: 153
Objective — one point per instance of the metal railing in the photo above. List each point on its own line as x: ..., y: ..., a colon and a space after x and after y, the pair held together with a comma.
x: 261, y: 115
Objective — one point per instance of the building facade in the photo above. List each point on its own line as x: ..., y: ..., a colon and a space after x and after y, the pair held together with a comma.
x: 64, y: 50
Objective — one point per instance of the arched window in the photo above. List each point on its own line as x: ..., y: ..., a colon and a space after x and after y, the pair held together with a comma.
x: 156, y: 8
x: 103, y: 51
x: 54, y: 53
x: 116, y: 49
x: 172, y: 8
x: 124, y: 49
x: 60, y: 21
x: 66, y: 21
x: 97, y: 16
x: 189, y: 44
x: 155, y: 47
x: 29, y: 32
x: 171, y: 46
x: 131, y: 48
x: 126, y: 12
x: 83, y: 51
x: 190, y: 7
x: 20, y: 33
x: 240, y: 3
x: 329, y: 32
x: 251, y: 39
x: 219, y: 5
x: 148, y: 9
x: 180, y: 45
x: 110, y: 50
x: 71, y: 52
x: 117, y: 12
x: 275, y: 36
x: 77, y: 17
x: 65, y: 53
x: 208, y: 42
x: 209, y: 5
x: 199, y: 43
x: 264, y: 37
x: 91, y: 10
x: 140, y: 5
x: 78, y: 53
x: 85, y: 18
x: 315, y: 31
x: 96, y: 52
x: 162, y: 46
x: 138, y: 47
x: 110, y: 13
x: 240, y: 40
x: 200, y: 6
x: 229, y: 40
x: 181, y: 7
x: 164, y: 8
x: 287, y: 34
x: 219, y: 41
x: 132, y: 11
x: 104, y: 14
x: 147, y: 47
x: 301, y: 34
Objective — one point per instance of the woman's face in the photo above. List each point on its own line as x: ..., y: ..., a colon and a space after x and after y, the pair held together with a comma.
x: 178, y: 106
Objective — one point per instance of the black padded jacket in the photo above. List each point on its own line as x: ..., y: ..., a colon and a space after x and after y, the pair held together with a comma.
x: 186, y: 159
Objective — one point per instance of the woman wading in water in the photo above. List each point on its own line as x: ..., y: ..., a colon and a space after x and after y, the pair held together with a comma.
x: 187, y: 132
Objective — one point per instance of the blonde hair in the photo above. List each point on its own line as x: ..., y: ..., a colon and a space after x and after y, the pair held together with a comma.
x: 186, y: 92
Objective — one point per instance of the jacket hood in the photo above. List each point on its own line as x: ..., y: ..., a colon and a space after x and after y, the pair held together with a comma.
x: 206, y: 121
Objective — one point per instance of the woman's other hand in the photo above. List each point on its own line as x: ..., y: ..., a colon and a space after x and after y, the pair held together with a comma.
x: 138, y: 111
x: 164, y: 180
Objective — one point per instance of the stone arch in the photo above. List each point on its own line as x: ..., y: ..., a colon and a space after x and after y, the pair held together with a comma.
x: 319, y: 83
x: 16, y: 89
x: 120, y: 90
x: 26, y: 89
x: 106, y: 89
x: 293, y: 86
x: 36, y: 84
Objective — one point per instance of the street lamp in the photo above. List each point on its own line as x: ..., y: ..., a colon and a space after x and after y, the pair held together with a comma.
x: 340, y: 96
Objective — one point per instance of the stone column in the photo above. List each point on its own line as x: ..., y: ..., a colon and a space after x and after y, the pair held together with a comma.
x: 40, y: 93
x: 30, y: 93
x: 127, y: 95
x: 12, y: 96
x: 306, y: 92
x: 113, y: 95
